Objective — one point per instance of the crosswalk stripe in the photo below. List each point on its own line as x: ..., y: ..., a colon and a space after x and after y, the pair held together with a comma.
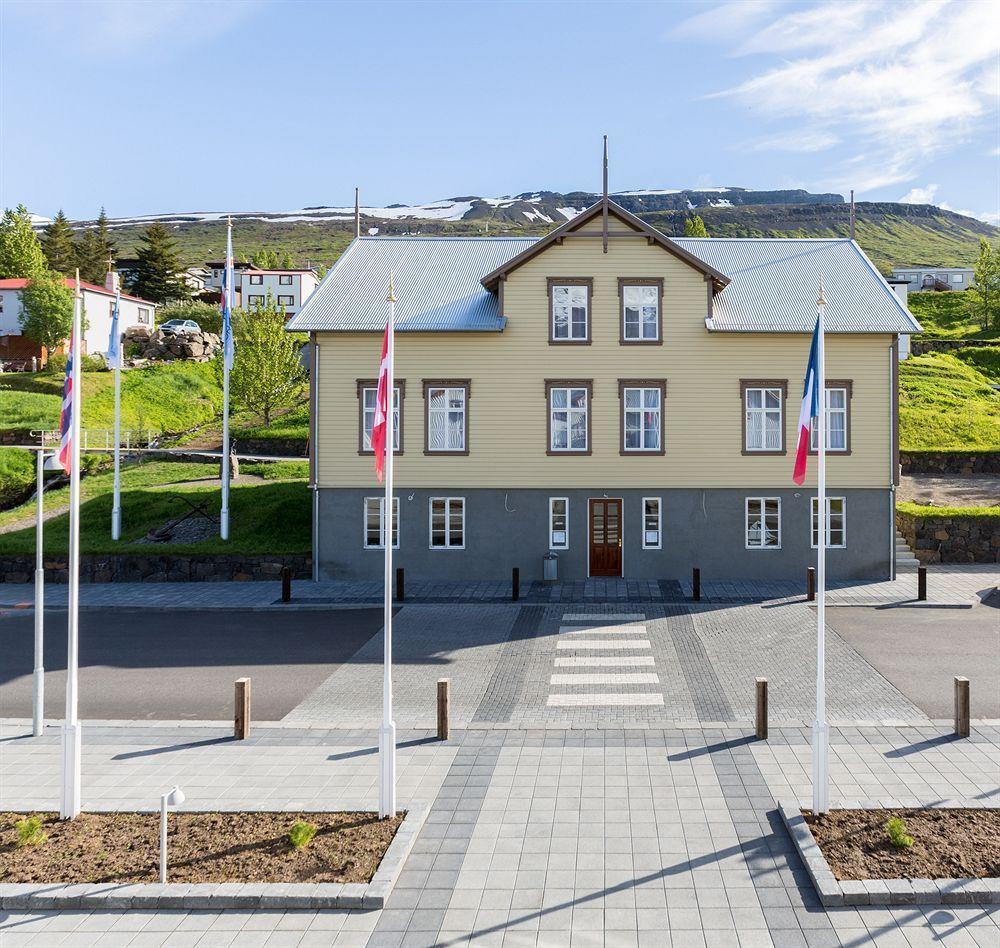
x: 603, y: 661
x: 603, y: 643
x: 603, y: 700
x: 603, y: 630
x: 602, y: 617
x: 621, y: 678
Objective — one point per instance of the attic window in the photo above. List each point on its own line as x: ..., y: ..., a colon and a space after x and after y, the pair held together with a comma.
x: 569, y: 310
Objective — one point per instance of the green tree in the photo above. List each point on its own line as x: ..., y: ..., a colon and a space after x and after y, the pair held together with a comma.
x: 159, y: 273
x: 206, y: 315
x: 984, y: 297
x: 272, y: 260
x: 695, y: 227
x: 267, y: 374
x: 94, y: 249
x: 57, y: 245
x: 20, y: 252
x: 47, y: 309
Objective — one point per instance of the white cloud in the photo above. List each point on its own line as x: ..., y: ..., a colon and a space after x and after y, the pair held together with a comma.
x: 902, y: 82
x: 735, y: 14
x: 927, y: 195
x: 920, y: 195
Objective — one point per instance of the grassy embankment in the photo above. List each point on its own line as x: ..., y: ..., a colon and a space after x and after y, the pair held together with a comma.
x: 971, y: 513
x: 947, y: 316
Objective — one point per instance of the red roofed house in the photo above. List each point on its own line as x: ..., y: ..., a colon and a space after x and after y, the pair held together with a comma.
x: 97, y: 304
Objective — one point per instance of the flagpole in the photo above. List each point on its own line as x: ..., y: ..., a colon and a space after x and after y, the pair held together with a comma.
x: 116, y: 507
x: 38, y: 692
x: 821, y: 730
x: 226, y: 359
x: 70, y: 805
x: 387, y: 733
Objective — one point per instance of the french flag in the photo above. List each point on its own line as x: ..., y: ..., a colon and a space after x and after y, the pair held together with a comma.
x: 809, y: 411
x: 66, y: 415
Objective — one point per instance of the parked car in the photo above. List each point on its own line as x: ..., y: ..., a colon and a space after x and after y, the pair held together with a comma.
x: 173, y: 327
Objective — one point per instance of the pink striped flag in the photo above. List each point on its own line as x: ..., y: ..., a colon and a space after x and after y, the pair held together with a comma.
x: 809, y: 411
x: 66, y: 415
x: 381, y: 407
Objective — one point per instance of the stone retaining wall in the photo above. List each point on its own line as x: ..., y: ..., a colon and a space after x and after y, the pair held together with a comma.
x: 920, y: 346
x: 951, y: 539
x: 158, y: 569
x: 946, y: 462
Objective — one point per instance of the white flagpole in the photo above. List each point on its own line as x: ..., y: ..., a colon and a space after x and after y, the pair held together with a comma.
x: 70, y: 806
x: 116, y: 508
x: 38, y: 692
x: 387, y: 733
x: 224, y: 515
x: 821, y: 730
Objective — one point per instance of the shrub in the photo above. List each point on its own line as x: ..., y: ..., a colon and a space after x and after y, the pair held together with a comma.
x: 93, y: 363
x: 896, y: 830
x: 301, y: 834
x: 29, y: 831
x: 206, y: 315
x: 56, y: 363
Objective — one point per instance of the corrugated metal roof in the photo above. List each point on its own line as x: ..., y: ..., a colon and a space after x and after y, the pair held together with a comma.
x: 436, y: 280
x: 775, y: 282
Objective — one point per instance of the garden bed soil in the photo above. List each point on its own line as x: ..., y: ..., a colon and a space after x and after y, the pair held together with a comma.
x: 947, y: 843
x: 202, y: 847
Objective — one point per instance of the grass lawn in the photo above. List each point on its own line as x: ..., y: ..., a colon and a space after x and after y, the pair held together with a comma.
x: 264, y: 518
x: 916, y: 510
x: 946, y: 316
x: 985, y: 359
x: 946, y: 404
x: 293, y: 425
x: 277, y: 470
x: 17, y: 471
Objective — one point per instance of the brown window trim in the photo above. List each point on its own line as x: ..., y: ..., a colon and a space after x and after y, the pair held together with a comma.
x: 623, y: 384
x: 360, y: 386
x: 849, y: 385
x: 447, y: 383
x: 763, y: 383
x: 571, y: 281
x: 550, y: 384
x: 640, y: 281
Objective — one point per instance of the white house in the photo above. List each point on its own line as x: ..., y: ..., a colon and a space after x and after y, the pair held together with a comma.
x: 288, y: 288
x: 98, y: 302
x: 936, y: 278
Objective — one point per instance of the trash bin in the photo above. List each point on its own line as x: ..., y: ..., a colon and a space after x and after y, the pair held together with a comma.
x: 550, y: 567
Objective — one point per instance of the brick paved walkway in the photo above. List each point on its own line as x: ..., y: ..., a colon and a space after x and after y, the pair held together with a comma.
x: 650, y: 838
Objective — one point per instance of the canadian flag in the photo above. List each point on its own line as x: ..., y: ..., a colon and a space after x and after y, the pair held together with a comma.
x: 381, y: 405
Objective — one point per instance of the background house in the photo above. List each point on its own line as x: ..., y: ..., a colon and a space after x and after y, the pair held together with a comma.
x: 288, y: 288
x: 936, y: 278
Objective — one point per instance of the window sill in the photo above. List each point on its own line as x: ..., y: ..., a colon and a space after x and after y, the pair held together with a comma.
x: 642, y: 452
x: 640, y: 342
x: 575, y: 453
x: 763, y: 454
x: 452, y: 454
x: 569, y: 342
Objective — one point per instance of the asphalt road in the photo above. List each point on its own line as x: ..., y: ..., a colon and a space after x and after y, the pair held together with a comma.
x: 921, y: 650
x: 182, y: 664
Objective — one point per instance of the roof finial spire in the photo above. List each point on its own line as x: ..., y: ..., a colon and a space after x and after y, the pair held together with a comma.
x: 852, y: 214
x: 357, y: 212
x: 604, y: 200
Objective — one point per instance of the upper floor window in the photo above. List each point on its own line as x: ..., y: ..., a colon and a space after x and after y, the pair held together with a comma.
x: 286, y: 300
x: 763, y: 416
x: 763, y: 523
x: 642, y: 415
x: 285, y: 279
x: 255, y: 299
x: 367, y: 397
x: 641, y: 309
x: 375, y: 523
x: 838, y: 429
x: 558, y: 523
x: 256, y: 279
x: 957, y: 278
x: 569, y: 309
x: 836, y: 522
x: 569, y: 416
x: 446, y: 416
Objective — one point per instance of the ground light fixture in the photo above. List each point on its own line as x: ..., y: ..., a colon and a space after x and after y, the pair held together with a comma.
x: 172, y: 799
x: 52, y: 463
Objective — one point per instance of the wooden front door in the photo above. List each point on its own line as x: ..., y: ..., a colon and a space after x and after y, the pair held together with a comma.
x: 605, y: 538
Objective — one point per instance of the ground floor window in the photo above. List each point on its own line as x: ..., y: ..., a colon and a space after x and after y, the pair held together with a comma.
x: 375, y: 523
x: 651, y: 523
x: 558, y: 523
x: 836, y: 522
x: 447, y: 526
x: 763, y: 523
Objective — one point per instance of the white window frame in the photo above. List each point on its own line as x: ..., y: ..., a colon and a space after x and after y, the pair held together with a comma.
x: 366, y: 429
x: 143, y: 313
x: 958, y: 278
x: 446, y: 411
x: 763, y: 515
x: 640, y: 306
x: 564, y: 545
x: 763, y: 411
x: 448, y: 514
x: 814, y: 435
x: 658, y: 545
x: 814, y: 525
x: 381, y: 522
x: 571, y: 288
x: 642, y: 411
x: 569, y: 449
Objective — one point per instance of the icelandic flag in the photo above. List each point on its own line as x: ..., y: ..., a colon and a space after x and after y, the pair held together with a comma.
x: 66, y: 415
x: 114, y: 341
x: 381, y: 405
x: 228, y: 346
x: 809, y: 411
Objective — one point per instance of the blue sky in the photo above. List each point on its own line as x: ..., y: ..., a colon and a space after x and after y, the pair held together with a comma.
x: 174, y: 106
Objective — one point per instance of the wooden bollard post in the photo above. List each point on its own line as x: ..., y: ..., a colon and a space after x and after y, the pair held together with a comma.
x: 810, y: 585
x: 515, y: 584
x: 922, y: 583
x: 762, y: 709
x: 444, y: 708
x: 696, y: 584
x: 962, y: 716
x: 241, y: 720
x: 400, y: 589
x: 286, y: 583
